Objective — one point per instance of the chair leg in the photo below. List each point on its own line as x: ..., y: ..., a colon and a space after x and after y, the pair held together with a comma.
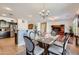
x: 64, y: 52
x: 48, y: 53
x: 27, y: 53
x: 42, y: 54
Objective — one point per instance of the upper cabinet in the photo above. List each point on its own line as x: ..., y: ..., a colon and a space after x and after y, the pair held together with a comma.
x: 3, y: 24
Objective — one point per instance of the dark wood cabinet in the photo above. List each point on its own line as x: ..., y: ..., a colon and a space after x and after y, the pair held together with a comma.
x: 7, y: 29
x: 4, y: 34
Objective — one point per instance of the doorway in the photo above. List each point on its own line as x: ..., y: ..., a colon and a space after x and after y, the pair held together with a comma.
x: 43, y: 27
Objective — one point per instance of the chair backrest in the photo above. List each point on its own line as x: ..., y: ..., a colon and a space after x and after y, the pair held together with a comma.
x: 29, y: 44
x: 28, y: 32
x: 53, y: 33
x: 38, y: 33
x: 65, y: 43
x: 32, y: 35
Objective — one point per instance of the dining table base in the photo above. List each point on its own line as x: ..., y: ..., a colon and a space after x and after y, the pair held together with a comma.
x: 45, y: 47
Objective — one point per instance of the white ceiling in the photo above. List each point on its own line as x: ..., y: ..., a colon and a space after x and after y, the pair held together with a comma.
x: 25, y: 10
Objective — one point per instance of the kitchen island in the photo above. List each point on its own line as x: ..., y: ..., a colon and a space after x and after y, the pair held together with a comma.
x: 4, y: 34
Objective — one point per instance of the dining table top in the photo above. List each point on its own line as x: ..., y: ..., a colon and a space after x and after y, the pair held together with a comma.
x: 46, y: 40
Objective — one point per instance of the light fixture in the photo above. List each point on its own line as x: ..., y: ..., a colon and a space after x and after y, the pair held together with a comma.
x: 44, y: 13
x: 7, y: 8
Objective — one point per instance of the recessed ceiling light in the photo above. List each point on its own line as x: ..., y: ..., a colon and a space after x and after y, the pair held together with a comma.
x: 7, y: 8
x: 4, y: 15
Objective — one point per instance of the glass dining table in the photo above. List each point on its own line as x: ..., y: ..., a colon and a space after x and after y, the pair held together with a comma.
x: 45, y: 42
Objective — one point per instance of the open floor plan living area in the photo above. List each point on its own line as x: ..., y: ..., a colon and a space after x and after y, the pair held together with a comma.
x: 39, y: 28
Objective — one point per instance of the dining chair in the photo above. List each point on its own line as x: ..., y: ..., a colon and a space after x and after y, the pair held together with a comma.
x: 31, y: 48
x: 56, y: 50
x: 32, y: 35
x: 59, y: 43
x: 27, y: 32
x: 38, y: 33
